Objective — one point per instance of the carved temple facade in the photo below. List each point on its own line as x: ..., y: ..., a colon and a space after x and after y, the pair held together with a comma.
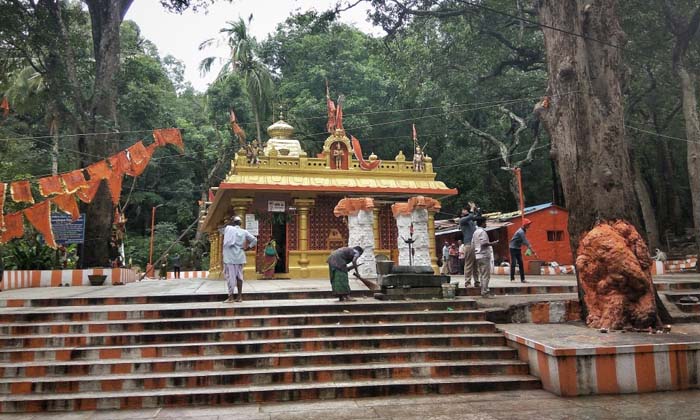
x: 290, y: 197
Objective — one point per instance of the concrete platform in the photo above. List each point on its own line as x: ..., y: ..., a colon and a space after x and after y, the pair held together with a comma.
x: 571, y: 359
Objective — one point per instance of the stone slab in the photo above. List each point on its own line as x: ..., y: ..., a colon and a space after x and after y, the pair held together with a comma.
x: 413, y: 280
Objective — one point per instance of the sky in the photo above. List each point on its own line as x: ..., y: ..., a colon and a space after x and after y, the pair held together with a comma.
x: 180, y: 35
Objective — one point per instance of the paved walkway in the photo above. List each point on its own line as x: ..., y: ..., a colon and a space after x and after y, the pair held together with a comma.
x: 521, y: 405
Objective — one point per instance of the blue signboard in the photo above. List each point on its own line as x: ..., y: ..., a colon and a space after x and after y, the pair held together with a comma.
x: 66, y: 231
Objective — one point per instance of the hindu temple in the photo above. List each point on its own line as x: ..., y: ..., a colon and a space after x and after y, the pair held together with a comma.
x: 282, y: 193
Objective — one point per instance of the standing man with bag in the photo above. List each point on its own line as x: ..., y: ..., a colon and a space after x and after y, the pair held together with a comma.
x: 516, y: 255
x: 467, y: 226
x: 234, y: 246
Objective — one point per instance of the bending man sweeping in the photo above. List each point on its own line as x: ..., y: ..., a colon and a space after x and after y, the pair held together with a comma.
x: 338, y: 270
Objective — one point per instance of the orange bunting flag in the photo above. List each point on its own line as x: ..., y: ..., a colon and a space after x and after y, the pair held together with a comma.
x: 87, y: 194
x: 50, y: 185
x: 99, y: 170
x: 66, y: 203
x: 5, y: 106
x: 74, y: 180
x: 39, y: 215
x: 3, y: 187
x: 21, y: 192
x: 357, y: 150
x: 14, y: 227
x: 330, y: 125
x: 120, y: 163
x: 115, y: 186
x: 140, y: 156
x: 169, y: 136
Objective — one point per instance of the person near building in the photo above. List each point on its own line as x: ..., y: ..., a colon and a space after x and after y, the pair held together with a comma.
x: 444, y: 269
x: 516, y: 257
x: 176, y: 265
x: 236, y: 240
x: 460, y: 256
x: 338, y: 270
x: 483, y: 251
x: 270, y: 258
x: 454, y: 258
x: 467, y: 225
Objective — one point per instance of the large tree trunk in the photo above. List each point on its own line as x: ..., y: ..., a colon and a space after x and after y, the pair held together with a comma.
x: 692, y: 130
x: 648, y: 214
x: 106, y: 17
x: 684, y: 31
x: 584, y: 118
x: 585, y: 115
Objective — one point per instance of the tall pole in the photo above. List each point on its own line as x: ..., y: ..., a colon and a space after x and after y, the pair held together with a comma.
x: 520, y: 192
x: 150, y: 252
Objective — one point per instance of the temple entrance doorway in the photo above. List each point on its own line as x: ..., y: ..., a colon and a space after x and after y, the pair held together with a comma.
x: 279, y: 234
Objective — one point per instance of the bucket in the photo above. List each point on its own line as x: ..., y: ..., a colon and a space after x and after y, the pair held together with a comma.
x: 449, y: 291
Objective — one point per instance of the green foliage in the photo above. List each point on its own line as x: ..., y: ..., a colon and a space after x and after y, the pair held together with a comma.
x: 29, y: 254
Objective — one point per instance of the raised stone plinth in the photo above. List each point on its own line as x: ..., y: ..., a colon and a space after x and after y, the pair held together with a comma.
x: 409, y: 282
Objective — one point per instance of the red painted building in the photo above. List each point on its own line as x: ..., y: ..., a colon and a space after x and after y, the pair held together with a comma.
x: 548, y: 234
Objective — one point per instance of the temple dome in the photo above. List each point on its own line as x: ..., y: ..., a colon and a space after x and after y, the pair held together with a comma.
x: 282, y: 139
x: 280, y: 130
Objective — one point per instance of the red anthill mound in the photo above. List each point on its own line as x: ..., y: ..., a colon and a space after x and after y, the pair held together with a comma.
x: 613, y: 267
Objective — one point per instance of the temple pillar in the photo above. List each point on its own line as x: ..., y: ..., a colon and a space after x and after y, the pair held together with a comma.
x: 240, y: 208
x: 303, y: 205
x: 215, y: 255
x: 375, y: 227
x: 431, y: 238
x: 361, y: 228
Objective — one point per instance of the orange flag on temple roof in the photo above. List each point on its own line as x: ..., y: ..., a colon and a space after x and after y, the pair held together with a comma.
x: 87, y: 194
x: 357, y: 150
x: 39, y: 215
x: 330, y: 125
x: 67, y: 204
x: 5, y: 106
x: 172, y: 136
x: 50, y: 185
x: 3, y: 187
x: 339, y: 114
x: 21, y: 192
x: 99, y: 170
x: 14, y: 227
x: 140, y: 156
x: 74, y: 180
x: 237, y: 130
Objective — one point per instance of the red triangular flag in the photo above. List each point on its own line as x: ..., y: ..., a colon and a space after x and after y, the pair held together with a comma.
x: 330, y: 105
x: 74, y: 180
x: 50, y: 185
x: 99, y: 170
x: 21, y: 192
x: 140, y: 156
x: 39, y: 215
x: 14, y: 227
x: 67, y: 204
x: 115, y: 186
x: 120, y: 163
x: 169, y: 136
x: 87, y: 194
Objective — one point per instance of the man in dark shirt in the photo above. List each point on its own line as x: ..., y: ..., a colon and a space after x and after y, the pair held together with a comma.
x: 516, y: 255
x: 338, y: 270
x: 467, y: 225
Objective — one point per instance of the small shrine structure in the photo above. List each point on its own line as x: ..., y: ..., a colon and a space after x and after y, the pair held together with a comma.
x: 289, y: 196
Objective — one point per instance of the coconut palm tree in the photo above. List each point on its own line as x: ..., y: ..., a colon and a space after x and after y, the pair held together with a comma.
x: 244, y: 62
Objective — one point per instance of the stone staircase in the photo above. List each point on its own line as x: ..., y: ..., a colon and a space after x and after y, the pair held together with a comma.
x: 162, y: 351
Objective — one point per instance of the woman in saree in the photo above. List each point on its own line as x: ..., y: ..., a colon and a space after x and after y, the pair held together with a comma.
x: 270, y: 258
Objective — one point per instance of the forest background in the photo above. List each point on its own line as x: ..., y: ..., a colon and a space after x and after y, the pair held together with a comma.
x: 469, y: 78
